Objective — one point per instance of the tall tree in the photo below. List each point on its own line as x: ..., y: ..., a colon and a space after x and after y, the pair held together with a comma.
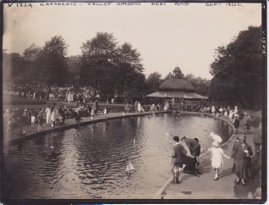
x: 127, y: 62
x: 137, y: 85
x: 30, y: 56
x: 108, y: 67
x: 52, y: 65
x: 237, y: 70
x: 96, y: 69
x: 153, y: 82
x: 73, y: 65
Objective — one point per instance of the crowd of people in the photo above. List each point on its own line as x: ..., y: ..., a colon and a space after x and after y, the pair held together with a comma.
x: 36, y: 91
x: 57, y: 114
x: 51, y: 115
x: 186, y: 151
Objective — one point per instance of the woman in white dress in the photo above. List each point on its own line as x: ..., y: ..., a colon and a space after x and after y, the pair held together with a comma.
x: 48, y: 114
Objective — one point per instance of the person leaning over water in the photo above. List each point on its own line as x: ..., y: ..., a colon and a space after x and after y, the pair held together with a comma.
x: 177, y: 159
x: 195, y: 149
x: 191, y: 146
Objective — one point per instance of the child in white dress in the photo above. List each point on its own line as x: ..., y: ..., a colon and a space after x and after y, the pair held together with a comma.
x: 217, y: 158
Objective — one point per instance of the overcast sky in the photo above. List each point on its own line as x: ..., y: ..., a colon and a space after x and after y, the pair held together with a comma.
x: 166, y: 36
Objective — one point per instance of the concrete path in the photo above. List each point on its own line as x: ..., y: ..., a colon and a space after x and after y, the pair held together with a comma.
x: 205, y: 187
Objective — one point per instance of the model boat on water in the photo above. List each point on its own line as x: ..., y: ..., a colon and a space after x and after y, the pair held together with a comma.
x: 129, y: 167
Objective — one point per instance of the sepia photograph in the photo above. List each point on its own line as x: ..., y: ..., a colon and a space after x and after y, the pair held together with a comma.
x: 129, y: 102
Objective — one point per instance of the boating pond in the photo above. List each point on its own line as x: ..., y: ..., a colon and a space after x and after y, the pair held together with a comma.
x: 89, y: 162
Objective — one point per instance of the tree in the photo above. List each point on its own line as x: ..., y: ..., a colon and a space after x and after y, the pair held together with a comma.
x: 237, y: 70
x: 201, y: 85
x: 73, y: 65
x: 51, y: 64
x: 153, y: 82
x: 107, y: 67
x: 95, y: 67
x: 127, y: 63
x: 137, y: 84
x: 30, y: 56
x: 13, y: 67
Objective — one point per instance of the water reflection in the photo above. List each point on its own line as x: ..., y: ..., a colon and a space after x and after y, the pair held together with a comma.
x: 90, y: 161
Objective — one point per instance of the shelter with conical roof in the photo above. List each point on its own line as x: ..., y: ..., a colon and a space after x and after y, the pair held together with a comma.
x: 178, y: 88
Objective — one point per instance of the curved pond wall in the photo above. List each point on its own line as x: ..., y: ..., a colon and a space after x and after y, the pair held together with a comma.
x: 90, y: 161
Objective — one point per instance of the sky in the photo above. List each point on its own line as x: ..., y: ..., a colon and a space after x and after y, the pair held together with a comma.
x: 165, y: 35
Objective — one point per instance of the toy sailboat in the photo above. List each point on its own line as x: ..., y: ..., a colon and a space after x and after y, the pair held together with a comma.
x: 129, y: 167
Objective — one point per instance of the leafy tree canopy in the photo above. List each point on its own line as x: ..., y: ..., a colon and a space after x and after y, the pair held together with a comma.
x: 235, y: 66
x: 154, y: 81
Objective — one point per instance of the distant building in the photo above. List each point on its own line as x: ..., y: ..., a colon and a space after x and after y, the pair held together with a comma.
x: 177, y: 88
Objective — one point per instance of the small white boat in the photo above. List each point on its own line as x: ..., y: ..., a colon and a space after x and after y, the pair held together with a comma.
x: 129, y: 167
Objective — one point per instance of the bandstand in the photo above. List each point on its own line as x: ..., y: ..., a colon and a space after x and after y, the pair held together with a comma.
x: 177, y: 89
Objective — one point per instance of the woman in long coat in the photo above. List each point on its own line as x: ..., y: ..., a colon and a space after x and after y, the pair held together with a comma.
x: 241, y: 153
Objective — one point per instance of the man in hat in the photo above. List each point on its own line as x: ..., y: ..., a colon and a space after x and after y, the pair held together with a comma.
x: 177, y: 159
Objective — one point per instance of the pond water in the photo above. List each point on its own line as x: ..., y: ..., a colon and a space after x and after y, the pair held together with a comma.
x: 89, y: 162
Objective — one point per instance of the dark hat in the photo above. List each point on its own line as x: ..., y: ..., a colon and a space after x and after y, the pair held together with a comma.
x: 176, y: 138
x: 183, y: 138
